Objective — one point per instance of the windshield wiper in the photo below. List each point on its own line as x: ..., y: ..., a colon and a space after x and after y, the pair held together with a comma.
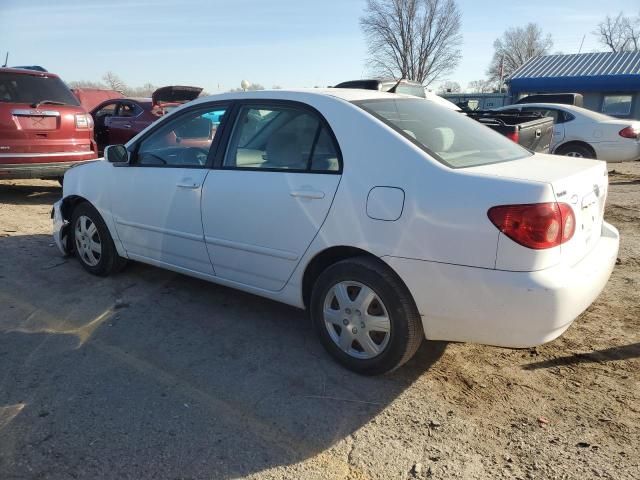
x: 47, y: 102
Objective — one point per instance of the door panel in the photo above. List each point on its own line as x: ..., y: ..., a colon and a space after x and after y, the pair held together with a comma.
x: 157, y: 215
x: 258, y: 224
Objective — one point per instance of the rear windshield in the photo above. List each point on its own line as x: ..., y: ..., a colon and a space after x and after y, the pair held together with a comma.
x: 20, y: 88
x: 447, y: 135
x: 406, y: 89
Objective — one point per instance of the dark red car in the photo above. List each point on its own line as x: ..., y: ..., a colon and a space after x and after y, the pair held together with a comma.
x: 43, y: 128
x: 119, y: 120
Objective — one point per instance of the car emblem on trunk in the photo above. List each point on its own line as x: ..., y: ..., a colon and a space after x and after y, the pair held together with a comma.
x: 596, y: 190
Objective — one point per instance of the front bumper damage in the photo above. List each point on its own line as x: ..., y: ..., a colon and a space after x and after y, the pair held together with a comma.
x: 60, y: 228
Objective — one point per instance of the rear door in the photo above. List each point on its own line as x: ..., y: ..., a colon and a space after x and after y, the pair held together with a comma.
x: 270, y: 193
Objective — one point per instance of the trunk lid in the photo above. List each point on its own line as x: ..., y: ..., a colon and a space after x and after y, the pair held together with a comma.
x: 579, y: 182
x: 174, y: 94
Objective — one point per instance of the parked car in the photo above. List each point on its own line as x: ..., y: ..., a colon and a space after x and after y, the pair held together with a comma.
x: 402, y: 87
x: 532, y: 130
x: 119, y: 120
x: 43, y: 128
x: 529, y: 131
x: 566, y: 98
x: 579, y: 132
x: 387, y: 217
x: 90, y: 98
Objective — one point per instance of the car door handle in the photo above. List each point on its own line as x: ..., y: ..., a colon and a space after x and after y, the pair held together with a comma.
x: 188, y: 184
x: 127, y: 125
x: 307, y: 194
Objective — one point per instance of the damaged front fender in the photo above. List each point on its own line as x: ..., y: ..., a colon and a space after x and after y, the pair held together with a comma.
x: 60, y: 229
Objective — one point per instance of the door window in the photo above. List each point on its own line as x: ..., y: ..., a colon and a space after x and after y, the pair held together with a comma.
x: 128, y: 110
x: 182, y: 142
x: 281, y: 138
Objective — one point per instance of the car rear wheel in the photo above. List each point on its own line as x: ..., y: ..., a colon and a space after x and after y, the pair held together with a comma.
x: 92, y: 242
x: 576, y: 150
x: 365, y: 316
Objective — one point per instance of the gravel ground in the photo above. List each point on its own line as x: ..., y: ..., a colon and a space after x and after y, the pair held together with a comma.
x: 151, y: 374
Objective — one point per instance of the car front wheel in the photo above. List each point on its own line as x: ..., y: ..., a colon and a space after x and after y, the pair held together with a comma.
x: 365, y: 316
x: 92, y: 242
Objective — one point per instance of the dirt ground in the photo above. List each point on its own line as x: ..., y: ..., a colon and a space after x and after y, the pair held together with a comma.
x: 150, y: 374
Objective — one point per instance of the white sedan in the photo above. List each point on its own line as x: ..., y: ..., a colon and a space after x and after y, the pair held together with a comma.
x: 390, y: 219
x: 579, y: 132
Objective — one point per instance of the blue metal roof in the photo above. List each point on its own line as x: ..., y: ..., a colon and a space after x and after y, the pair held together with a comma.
x: 579, y: 72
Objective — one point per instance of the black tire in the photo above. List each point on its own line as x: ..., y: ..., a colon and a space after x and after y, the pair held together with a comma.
x: 405, y: 332
x: 575, y: 150
x: 108, y: 261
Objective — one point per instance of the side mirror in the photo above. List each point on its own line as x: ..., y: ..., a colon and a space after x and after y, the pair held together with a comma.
x: 116, y: 154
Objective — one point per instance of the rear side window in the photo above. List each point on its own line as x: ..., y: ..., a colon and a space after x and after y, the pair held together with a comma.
x: 281, y: 138
x: 447, y: 135
x: 19, y: 88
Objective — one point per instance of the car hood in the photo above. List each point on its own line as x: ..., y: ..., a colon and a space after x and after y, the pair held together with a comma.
x: 175, y: 94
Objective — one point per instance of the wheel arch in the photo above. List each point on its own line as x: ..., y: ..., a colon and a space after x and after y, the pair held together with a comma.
x: 581, y: 143
x: 327, y: 257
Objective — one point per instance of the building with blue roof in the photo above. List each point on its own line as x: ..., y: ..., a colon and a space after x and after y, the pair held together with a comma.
x: 609, y: 82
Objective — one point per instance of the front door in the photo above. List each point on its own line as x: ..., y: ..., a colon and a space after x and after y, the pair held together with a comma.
x: 266, y: 201
x: 157, y: 209
x: 121, y: 126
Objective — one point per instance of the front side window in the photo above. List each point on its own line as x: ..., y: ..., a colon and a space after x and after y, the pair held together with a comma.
x: 280, y: 138
x: 181, y: 142
x: 127, y: 110
x: 447, y: 135
x: 617, y: 105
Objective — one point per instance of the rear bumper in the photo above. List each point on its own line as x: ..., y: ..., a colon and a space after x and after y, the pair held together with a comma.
x: 624, y: 150
x: 510, y: 309
x: 54, y: 168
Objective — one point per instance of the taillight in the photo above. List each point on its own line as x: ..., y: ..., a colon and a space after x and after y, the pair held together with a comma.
x: 632, y: 131
x: 515, y: 136
x: 535, y: 225
x: 84, y: 121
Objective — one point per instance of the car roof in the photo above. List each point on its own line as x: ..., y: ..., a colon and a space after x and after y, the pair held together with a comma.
x: 348, y: 94
x: 25, y: 71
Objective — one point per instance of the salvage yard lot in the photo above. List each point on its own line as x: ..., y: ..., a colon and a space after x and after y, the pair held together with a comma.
x: 151, y: 374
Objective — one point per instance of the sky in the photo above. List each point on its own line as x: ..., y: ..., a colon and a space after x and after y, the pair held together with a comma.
x: 289, y: 43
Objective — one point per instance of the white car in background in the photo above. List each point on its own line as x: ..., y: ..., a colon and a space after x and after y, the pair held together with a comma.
x: 579, y: 132
x: 390, y: 219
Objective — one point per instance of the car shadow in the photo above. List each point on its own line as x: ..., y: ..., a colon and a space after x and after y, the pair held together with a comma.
x: 36, y: 193
x: 151, y: 374
x: 624, y: 352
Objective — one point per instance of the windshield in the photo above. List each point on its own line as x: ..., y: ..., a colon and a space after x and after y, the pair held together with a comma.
x: 449, y: 136
x: 21, y: 88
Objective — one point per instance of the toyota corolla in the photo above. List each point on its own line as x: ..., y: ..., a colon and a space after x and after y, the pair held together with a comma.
x: 389, y: 218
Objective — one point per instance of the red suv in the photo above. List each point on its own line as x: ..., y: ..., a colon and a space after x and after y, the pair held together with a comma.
x: 43, y: 128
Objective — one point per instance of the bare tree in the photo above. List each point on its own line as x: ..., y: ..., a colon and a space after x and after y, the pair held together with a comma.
x: 480, y: 86
x: 250, y: 87
x: 450, y: 87
x: 413, y: 39
x: 114, y: 82
x: 620, y: 33
x: 517, y: 46
x: 86, y: 84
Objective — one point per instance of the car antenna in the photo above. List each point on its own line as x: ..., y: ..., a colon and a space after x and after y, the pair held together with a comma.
x: 393, y: 89
x: 6, y: 60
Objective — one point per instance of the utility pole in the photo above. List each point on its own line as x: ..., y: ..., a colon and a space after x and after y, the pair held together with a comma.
x: 581, y: 43
x: 6, y: 59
